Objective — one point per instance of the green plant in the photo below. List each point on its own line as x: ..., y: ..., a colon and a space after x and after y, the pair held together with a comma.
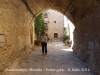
x: 48, y: 38
x: 65, y: 37
x: 37, y: 41
x: 39, y: 26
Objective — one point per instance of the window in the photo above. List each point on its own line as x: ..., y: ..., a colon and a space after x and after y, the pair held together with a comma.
x: 55, y: 35
x: 45, y: 15
x: 54, y: 21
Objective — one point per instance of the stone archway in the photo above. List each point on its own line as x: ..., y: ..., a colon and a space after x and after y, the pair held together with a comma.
x: 15, y: 25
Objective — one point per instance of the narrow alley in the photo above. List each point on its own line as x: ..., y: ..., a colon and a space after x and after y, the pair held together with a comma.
x: 60, y: 60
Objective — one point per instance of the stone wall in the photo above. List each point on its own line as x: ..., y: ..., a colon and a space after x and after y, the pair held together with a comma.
x: 55, y: 25
x: 16, y: 28
x: 86, y: 39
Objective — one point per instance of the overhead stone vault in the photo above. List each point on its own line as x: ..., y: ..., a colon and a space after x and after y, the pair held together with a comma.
x: 17, y: 29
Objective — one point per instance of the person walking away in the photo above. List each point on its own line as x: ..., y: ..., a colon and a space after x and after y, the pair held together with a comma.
x: 44, y: 43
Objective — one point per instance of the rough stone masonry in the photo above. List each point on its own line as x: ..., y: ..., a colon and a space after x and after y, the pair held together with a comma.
x: 17, y: 29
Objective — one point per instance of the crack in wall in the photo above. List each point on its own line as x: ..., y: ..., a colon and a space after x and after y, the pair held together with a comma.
x: 27, y: 6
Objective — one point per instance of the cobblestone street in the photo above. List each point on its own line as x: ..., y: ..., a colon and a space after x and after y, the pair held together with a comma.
x: 60, y: 60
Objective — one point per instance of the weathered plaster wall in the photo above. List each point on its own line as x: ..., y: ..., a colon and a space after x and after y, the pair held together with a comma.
x: 16, y: 21
x: 53, y: 27
x: 16, y: 25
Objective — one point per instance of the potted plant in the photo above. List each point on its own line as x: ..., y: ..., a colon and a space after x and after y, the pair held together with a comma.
x: 65, y: 37
x: 48, y: 39
x: 38, y: 42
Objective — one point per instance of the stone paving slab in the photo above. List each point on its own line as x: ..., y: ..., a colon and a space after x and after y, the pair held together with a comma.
x: 60, y: 60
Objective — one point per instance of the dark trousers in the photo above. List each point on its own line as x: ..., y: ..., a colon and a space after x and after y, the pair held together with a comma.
x: 44, y: 47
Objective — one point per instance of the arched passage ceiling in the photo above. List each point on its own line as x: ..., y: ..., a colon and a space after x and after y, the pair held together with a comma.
x: 70, y: 8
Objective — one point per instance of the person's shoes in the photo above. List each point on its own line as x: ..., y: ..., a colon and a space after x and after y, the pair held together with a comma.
x: 45, y: 53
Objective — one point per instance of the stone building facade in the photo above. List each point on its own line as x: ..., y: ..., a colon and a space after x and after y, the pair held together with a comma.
x: 17, y: 29
x: 54, y: 22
